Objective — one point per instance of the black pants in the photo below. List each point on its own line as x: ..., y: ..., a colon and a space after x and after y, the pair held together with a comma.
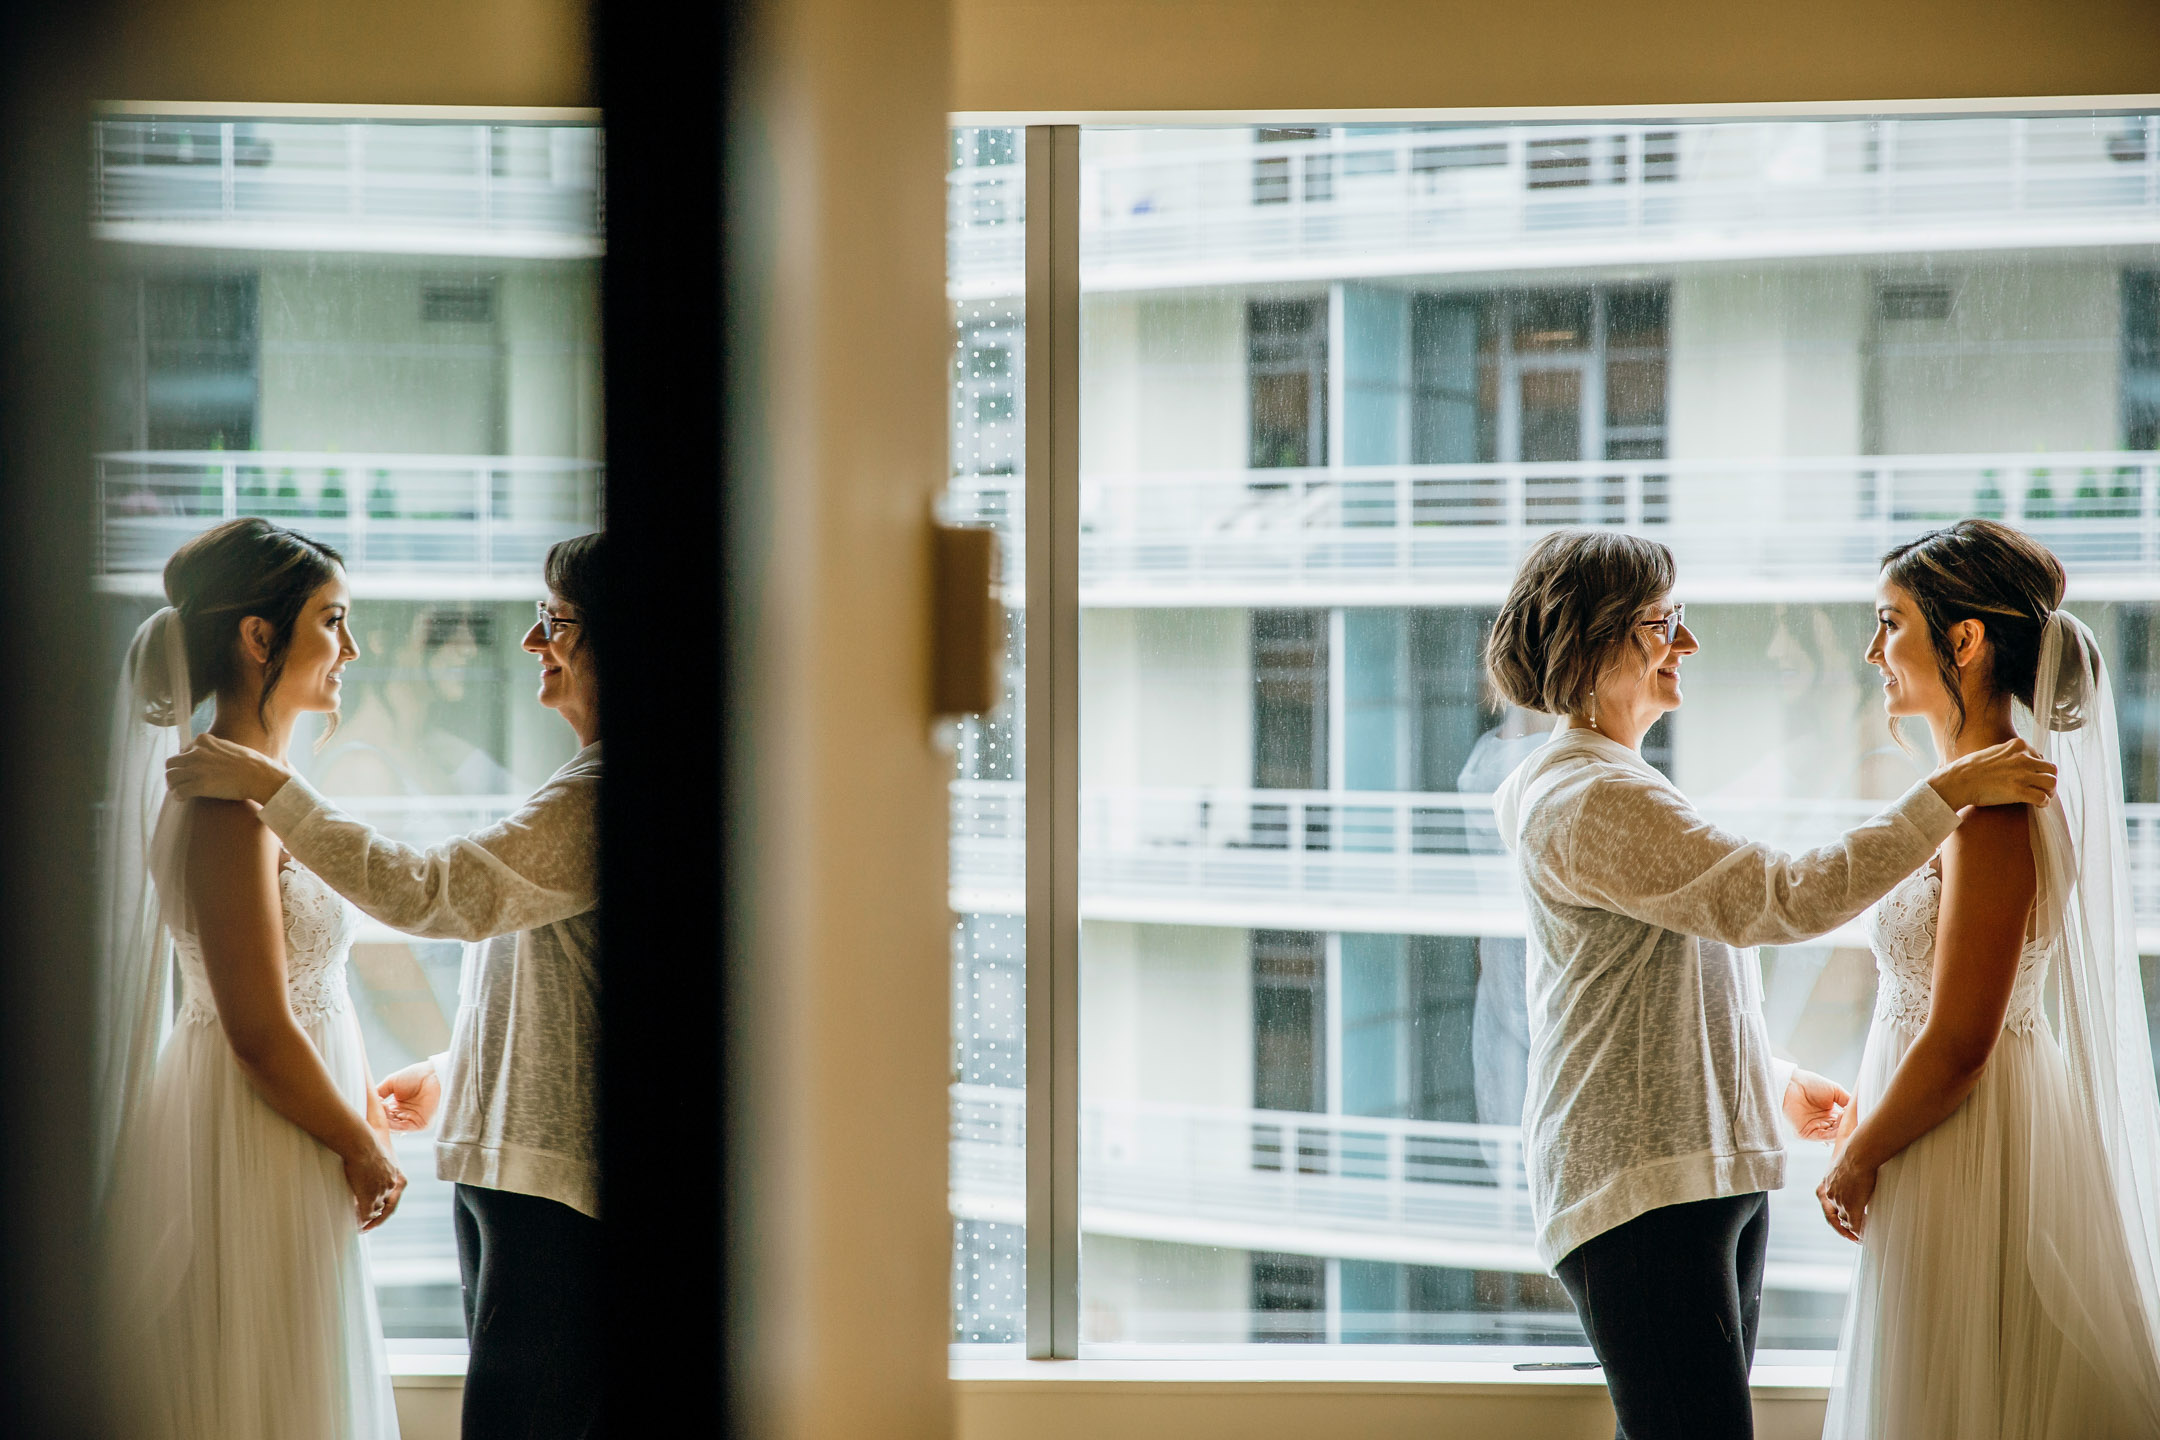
x: 531, y: 1274
x: 1671, y: 1301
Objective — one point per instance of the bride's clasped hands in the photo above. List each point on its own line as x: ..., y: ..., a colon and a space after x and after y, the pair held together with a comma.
x: 371, y: 1171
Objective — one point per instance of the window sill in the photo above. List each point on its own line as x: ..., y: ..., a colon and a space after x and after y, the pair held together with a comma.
x: 426, y: 1364
x: 1779, y: 1375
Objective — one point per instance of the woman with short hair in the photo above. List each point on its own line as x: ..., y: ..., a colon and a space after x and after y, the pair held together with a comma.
x: 519, y: 1085
x: 1650, y: 1127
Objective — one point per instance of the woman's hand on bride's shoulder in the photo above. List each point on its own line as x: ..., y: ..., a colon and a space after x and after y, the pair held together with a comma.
x: 215, y: 769
x: 375, y: 1181
x: 2011, y: 773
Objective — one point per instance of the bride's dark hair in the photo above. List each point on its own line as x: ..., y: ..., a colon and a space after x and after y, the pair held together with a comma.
x: 231, y: 571
x: 1986, y: 571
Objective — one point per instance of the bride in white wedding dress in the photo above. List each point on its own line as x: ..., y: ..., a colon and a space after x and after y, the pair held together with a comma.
x: 243, y: 1150
x: 2000, y: 1164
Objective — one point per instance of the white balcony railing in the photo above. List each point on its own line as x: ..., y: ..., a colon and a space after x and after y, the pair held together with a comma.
x: 433, y: 524
x: 502, y: 188
x: 1740, y: 529
x: 1226, y: 206
x: 1411, y: 1191
x: 1412, y: 863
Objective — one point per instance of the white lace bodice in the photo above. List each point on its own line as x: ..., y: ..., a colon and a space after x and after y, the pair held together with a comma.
x: 319, y: 929
x: 1901, y: 929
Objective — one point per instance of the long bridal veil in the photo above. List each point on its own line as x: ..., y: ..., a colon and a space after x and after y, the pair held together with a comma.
x: 140, y: 844
x: 2082, y: 849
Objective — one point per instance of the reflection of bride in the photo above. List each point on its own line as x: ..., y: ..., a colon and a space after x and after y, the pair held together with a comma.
x: 241, y: 1147
x: 392, y: 738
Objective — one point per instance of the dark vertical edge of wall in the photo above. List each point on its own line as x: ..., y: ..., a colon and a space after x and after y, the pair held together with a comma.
x: 51, y: 730
x: 668, y: 690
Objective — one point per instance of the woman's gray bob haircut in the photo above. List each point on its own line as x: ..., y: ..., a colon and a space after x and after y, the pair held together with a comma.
x: 1574, y: 602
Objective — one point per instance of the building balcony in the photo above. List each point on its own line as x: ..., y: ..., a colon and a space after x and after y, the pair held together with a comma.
x: 1351, y: 204
x: 1370, y: 861
x: 1741, y: 530
x: 1412, y: 1192
x: 531, y: 191
x: 410, y: 526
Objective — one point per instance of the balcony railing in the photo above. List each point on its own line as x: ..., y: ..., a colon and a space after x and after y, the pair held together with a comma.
x: 1739, y: 529
x: 1411, y: 1191
x: 533, y: 187
x: 1412, y: 863
x: 1424, y: 200
x: 435, y: 523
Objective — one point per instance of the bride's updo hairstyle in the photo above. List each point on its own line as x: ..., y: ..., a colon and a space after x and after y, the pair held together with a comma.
x: 1986, y: 571
x: 1572, y: 607
x: 229, y: 572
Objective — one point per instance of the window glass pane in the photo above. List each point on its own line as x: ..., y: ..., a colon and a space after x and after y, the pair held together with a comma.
x: 387, y: 337
x: 1334, y: 382
x: 986, y: 196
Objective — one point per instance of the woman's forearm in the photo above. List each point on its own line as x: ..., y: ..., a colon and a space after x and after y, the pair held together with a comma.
x: 531, y: 869
x: 288, y: 1072
x: 1931, y: 1082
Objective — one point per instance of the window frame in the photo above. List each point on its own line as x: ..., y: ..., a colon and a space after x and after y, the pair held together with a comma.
x: 1051, y: 329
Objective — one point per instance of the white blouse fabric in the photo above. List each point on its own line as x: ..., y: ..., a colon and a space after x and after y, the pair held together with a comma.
x: 1651, y: 1081
x: 520, y: 1082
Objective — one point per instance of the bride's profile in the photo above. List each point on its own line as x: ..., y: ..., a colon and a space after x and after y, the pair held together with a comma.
x: 2001, y: 1164
x: 242, y: 1149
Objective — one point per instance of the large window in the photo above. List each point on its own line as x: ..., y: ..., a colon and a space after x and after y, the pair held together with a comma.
x: 385, y: 335
x: 1332, y: 382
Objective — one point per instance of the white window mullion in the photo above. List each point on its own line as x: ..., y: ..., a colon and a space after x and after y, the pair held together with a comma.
x: 1053, y: 741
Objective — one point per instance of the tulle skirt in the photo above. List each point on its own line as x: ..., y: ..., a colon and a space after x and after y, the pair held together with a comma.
x: 1994, y: 1297
x: 238, y: 1280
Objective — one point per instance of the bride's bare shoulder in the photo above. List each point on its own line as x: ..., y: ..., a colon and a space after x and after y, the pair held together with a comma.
x: 1992, y: 846
x: 226, y: 841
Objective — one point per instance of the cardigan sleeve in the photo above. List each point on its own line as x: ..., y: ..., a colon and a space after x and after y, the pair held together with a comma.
x: 537, y: 866
x: 1637, y: 847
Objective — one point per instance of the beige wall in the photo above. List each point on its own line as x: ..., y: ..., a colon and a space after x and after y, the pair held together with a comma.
x: 382, y: 52
x: 840, y: 159
x: 1075, y: 1409
x: 1286, y: 54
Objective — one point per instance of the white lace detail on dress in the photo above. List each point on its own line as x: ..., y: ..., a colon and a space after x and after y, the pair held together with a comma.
x: 1902, y: 930
x: 319, y: 929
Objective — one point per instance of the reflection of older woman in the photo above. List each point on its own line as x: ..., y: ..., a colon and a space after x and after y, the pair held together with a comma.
x: 1650, y: 1126
x: 518, y: 1085
x: 392, y: 738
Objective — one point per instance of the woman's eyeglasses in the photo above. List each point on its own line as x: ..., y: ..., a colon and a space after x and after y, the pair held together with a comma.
x: 550, y: 623
x: 1669, y: 624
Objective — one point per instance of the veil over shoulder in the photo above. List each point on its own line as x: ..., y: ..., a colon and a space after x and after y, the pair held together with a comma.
x: 141, y: 844
x: 2081, y: 845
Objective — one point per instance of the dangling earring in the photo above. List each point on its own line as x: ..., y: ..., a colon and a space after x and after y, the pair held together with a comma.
x: 1593, y: 709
